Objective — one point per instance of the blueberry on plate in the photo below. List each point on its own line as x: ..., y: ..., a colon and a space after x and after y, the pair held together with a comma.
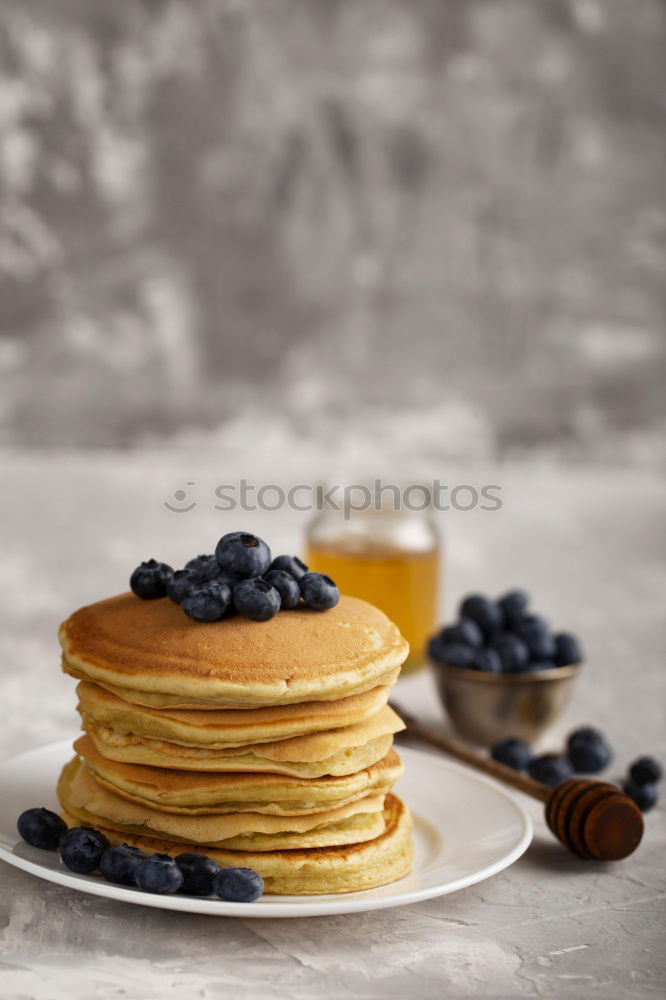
x: 119, y: 864
x: 286, y: 586
x: 81, y: 849
x: 41, y: 828
x: 588, y: 751
x: 550, y: 769
x: 645, y: 771
x: 198, y: 871
x: 207, y: 602
x: 513, y: 752
x: 451, y: 654
x: 486, y: 660
x: 290, y: 564
x: 205, y: 567
x: 513, y: 607
x: 238, y: 885
x: 645, y: 796
x: 512, y: 651
x: 319, y: 591
x: 466, y: 631
x: 158, y: 873
x: 567, y: 650
x: 180, y: 584
x: 256, y: 599
x: 484, y: 612
x: 149, y: 580
x: 244, y: 554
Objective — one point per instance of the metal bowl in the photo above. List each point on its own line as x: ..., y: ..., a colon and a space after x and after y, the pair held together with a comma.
x: 485, y: 708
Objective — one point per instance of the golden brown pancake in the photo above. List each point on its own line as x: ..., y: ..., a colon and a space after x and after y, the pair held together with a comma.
x: 199, y: 793
x: 299, y: 655
x: 308, y: 872
x: 231, y: 727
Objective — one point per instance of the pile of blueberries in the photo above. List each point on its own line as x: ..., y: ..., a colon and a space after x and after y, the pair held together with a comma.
x: 587, y: 752
x: 241, y: 578
x: 84, y: 850
x: 502, y: 637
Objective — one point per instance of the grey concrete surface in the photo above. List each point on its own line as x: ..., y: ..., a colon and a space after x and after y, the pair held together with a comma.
x: 589, y: 545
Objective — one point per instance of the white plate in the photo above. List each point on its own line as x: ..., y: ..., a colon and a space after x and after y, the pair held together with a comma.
x: 466, y: 828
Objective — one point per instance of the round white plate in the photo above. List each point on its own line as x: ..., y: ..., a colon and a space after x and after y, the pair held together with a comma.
x: 466, y: 828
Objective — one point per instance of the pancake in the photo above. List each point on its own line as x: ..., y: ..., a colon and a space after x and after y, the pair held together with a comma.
x: 335, y: 752
x: 218, y: 729
x: 198, y: 793
x: 82, y: 797
x: 309, y: 872
x: 299, y: 655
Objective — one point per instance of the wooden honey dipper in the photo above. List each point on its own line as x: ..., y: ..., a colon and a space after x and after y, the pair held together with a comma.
x: 594, y: 819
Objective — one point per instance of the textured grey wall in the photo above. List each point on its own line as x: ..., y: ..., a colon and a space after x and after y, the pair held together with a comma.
x: 313, y: 208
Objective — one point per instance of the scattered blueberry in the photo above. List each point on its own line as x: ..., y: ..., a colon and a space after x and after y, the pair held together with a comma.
x: 484, y: 612
x: 150, y: 579
x: 487, y: 660
x: 207, y: 602
x: 466, y: 631
x: 319, y: 591
x: 550, y: 769
x: 567, y: 650
x: 180, y: 584
x: 645, y: 771
x: 256, y: 599
x: 41, y: 828
x: 119, y: 864
x: 286, y: 586
x: 238, y: 885
x: 244, y: 554
x: 512, y: 752
x: 512, y: 651
x: 81, y: 849
x: 588, y: 751
x: 513, y: 607
x: 452, y: 654
x: 290, y: 564
x: 645, y: 796
x: 197, y: 871
x: 158, y: 873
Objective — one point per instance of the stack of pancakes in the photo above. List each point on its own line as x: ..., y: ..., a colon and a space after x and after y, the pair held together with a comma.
x: 264, y: 745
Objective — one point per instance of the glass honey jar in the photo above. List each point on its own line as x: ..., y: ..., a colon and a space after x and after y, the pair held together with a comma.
x: 387, y: 555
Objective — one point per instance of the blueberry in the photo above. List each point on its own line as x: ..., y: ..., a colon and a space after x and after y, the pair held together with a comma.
x: 119, y: 864
x: 513, y: 606
x: 451, y: 654
x: 197, y: 871
x: 150, y: 579
x: 487, y: 660
x: 158, y: 873
x: 243, y: 554
x: 286, y: 586
x: 466, y: 631
x: 319, y: 591
x: 484, y: 612
x: 291, y: 565
x: 41, y: 828
x: 645, y: 796
x: 590, y: 756
x: 645, y: 771
x: 180, y: 584
x: 238, y: 885
x: 81, y: 849
x: 567, y: 650
x: 512, y: 651
x: 205, y: 567
x: 512, y: 752
x: 533, y: 630
x: 207, y: 602
x: 586, y: 734
x: 550, y: 769
x: 256, y: 599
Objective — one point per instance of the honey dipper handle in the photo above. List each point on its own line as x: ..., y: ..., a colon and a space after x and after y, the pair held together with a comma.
x: 454, y: 748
